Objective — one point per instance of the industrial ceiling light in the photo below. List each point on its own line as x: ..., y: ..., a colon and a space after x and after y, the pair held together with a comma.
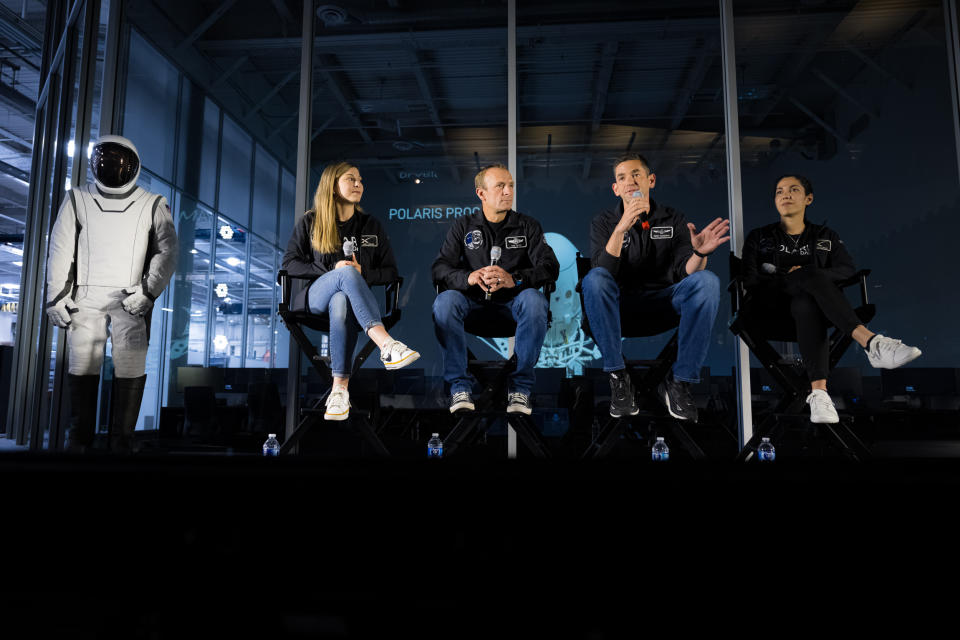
x: 331, y: 15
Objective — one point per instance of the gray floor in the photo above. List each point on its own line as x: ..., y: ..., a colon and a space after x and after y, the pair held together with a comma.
x: 10, y: 445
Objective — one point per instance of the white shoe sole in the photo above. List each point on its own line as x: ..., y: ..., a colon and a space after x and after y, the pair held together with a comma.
x: 524, y: 410
x: 913, y: 356
x: 337, y: 416
x: 623, y: 415
x: 827, y: 421
x: 666, y: 402
x: 400, y: 364
x: 462, y: 406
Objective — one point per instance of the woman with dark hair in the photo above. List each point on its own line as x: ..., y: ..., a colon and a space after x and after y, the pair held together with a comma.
x: 342, y: 284
x: 794, y: 265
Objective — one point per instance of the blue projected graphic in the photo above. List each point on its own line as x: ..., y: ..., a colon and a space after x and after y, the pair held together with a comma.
x: 565, y: 344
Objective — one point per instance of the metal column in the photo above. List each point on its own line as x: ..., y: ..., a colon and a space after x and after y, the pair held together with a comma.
x: 735, y: 204
x: 952, y: 31
x: 303, y: 180
x: 512, y: 153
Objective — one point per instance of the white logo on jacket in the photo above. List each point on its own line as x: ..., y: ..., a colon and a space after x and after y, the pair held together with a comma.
x: 661, y: 233
x: 824, y: 245
x: 369, y: 241
x: 473, y: 239
x: 517, y: 242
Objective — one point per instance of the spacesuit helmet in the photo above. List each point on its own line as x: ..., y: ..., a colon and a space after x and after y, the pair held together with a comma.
x: 115, y: 164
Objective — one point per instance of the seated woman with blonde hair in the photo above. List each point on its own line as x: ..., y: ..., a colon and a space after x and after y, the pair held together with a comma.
x: 342, y: 284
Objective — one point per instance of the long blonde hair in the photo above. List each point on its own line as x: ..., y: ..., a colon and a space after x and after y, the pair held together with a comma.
x: 324, y: 236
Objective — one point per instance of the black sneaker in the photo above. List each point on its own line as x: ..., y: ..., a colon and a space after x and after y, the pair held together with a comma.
x: 623, y: 399
x: 461, y: 401
x: 519, y: 403
x: 675, y: 395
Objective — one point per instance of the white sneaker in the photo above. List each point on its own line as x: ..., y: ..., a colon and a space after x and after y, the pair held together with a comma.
x: 822, y: 410
x: 888, y: 353
x: 338, y: 404
x: 396, y: 355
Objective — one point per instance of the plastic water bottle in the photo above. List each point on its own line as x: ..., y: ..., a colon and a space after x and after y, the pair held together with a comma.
x: 766, y: 452
x: 435, y: 446
x: 660, y: 451
x: 272, y: 446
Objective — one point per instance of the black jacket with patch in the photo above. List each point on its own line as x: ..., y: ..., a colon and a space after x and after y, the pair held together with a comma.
x: 377, y: 263
x: 764, y: 245
x: 652, y: 258
x: 467, y: 248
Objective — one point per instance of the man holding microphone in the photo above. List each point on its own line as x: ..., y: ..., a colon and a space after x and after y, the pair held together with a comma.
x: 493, y: 263
x: 649, y: 269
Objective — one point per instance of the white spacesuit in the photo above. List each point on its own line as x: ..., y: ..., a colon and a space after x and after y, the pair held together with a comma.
x: 113, y: 249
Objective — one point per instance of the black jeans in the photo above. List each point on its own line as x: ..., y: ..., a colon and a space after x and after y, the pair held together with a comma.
x: 813, y: 302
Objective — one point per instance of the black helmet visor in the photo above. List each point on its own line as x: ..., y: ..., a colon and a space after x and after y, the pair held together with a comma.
x: 114, y: 165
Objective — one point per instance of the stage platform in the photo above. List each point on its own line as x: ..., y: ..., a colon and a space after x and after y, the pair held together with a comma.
x: 301, y: 547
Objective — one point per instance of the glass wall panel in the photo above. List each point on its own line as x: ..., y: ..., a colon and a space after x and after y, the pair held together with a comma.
x: 150, y: 110
x: 235, y: 163
x: 417, y: 97
x: 265, y: 188
x: 288, y: 186
x: 261, y: 306
x: 856, y: 97
x: 597, y: 81
x: 191, y: 292
x: 199, y: 144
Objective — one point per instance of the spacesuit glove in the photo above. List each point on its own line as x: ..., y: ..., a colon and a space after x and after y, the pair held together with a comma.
x: 59, y: 312
x: 136, y: 303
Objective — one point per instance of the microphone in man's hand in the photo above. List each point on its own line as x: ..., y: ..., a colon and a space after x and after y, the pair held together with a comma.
x: 645, y: 215
x: 349, y: 247
x: 768, y: 268
x: 494, y: 257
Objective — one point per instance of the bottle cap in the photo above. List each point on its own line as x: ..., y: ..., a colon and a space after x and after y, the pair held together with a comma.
x: 436, y: 435
x: 271, y: 435
x: 765, y: 440
x: 659, y: 438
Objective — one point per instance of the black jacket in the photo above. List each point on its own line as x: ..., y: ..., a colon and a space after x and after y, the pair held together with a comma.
x: 467, y: 248
x: 763, y: 246
x: 652, y: 258
x: 374, y: 254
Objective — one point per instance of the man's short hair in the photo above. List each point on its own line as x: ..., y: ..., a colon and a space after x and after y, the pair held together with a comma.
x: 627, y: 157
x: 478, y: 181
x: 803, y: 180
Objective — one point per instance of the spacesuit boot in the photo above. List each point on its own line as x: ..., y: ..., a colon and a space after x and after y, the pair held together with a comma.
x: 126, y: 397
x: 83, y: 412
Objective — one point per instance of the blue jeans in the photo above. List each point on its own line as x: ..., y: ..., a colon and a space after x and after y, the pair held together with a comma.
x: 694, y: 299
x: 528, y: 309
x: 345, y: 297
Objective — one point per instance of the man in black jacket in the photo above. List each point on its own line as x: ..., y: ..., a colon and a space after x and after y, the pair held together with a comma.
x: 477, y: 282
x: 648, y: 266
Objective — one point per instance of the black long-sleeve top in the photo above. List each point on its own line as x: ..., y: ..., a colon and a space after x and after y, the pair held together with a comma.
x: 652, y: 258
x: 525, y: 254
x: 374, y: 253
x: 767, y: 247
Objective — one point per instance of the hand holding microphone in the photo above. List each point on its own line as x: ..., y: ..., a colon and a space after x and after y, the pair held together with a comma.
x: 494, y: 258
x: 349, y: 251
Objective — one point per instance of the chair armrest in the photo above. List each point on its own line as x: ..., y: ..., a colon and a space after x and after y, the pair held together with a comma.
x: 391, y: 292
x: 860, y: 278
x: 854, y: 279
x: 285, y: 280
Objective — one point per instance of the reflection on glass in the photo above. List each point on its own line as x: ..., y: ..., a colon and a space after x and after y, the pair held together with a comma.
x: 229, y: 274
x: 260, y: 304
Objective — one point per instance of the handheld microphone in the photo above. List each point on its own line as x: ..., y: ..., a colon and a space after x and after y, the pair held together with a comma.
x: 768, y: 268
x: 349, y: 247
x: 494, y: 257
x: 645, y: 215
